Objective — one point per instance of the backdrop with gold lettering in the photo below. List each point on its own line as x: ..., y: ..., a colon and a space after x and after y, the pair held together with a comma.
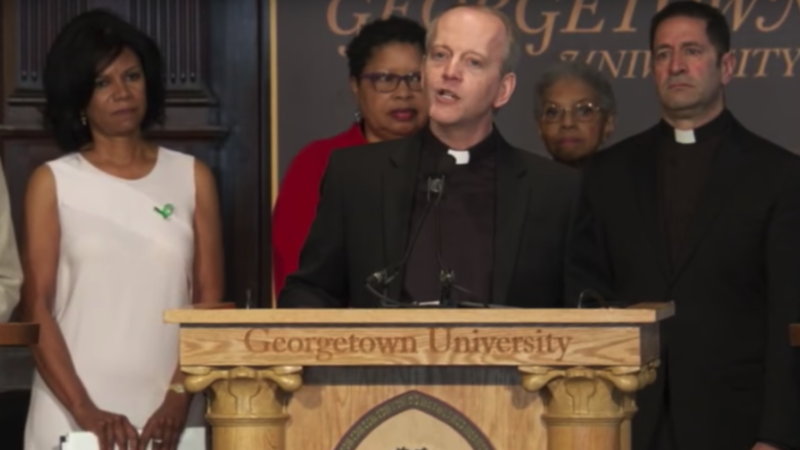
x: 314, y: 101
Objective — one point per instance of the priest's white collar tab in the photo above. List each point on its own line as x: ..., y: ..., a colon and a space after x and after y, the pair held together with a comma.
x: 684, y: 136
x: 461, y: 156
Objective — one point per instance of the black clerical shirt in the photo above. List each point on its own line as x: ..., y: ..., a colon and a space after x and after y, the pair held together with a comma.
x: 683, y: 171
x: 467, y: 221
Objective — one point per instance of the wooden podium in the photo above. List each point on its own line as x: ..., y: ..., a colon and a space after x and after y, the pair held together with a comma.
x: 794, y: 334
x: 420, y: 379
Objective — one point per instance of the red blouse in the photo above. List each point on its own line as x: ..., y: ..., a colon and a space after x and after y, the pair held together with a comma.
x: 297, y: 200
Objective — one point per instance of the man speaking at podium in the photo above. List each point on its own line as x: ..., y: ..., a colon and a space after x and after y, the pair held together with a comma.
x: 453, y: 216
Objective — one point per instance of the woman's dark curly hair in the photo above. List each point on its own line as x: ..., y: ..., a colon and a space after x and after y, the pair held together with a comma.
x: 81, y: 51
x: 379, y: 33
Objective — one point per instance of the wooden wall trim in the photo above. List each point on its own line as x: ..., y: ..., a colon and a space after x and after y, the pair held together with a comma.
x: 200, y: 97
x: 193, y: 133
x: 38, y: 23
x: 237, y: 75
x: 183, y: 44
x: 267, y: 139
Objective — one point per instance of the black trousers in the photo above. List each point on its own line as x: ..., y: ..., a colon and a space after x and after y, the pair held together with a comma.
x: 664, y: 438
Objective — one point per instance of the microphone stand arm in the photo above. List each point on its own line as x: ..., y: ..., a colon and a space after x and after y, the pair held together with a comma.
x: 446, y: 281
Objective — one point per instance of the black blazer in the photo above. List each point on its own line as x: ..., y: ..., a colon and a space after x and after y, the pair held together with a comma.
x: 363, y: 220
x: 733, y: 378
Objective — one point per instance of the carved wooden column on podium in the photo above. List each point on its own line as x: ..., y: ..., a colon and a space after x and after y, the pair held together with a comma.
x: 388, y: 378
x: 245, y: 405
x: 629, y: 409
x: 587, y: 408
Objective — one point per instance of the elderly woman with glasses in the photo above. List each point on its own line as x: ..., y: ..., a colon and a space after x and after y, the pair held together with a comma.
x: 384, y: 61
x: 576, y: 111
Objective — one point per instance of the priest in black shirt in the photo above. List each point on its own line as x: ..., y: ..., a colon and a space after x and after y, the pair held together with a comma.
x: 700, y: 211
x: 499, y: 226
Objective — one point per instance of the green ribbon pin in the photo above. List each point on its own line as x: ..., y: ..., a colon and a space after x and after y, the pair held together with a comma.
x: 165, y: 211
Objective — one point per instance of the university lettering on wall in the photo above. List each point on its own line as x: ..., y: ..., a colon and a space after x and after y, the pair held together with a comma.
x: 611, y: 35
x: 539, y: 26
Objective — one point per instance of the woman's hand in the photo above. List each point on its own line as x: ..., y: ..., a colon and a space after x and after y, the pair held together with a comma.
x: 111, y: 429
x: 166, y: 425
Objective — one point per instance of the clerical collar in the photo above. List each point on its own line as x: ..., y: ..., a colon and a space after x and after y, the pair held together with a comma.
x: 463, y: 156
x: 709, y: 130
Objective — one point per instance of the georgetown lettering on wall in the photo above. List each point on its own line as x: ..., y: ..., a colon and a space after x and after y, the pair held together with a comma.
x: 611, y: 35
x: 543, y: 23
x: 416, y: 345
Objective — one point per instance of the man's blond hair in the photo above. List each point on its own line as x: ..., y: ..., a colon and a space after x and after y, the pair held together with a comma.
x: 513, y: 51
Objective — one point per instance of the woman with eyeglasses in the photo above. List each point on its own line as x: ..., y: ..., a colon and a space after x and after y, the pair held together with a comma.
x: 384, y: 60
x: 576, y: 111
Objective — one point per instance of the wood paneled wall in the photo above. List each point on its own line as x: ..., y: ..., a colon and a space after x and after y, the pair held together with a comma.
x: 217, y: 75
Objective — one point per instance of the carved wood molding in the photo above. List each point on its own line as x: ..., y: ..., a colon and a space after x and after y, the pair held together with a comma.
x: 180, y: 29
x: 246, y: 407
x: 204, y: 133
x: 178, y: 26
x: 38, y: 24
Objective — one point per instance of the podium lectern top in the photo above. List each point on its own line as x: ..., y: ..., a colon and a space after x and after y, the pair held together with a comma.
x: 422, y: 377
x: 18, y: 334
x: 642, y: 313
x: 436, y: 337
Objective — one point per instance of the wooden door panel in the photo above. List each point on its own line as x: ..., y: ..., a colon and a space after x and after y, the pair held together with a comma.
x: 215, y: 107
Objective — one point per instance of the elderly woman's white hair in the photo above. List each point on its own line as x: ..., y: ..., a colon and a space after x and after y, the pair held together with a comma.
x: 576, y: 70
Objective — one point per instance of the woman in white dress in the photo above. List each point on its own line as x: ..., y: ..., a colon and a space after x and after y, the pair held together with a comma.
x: 116, y: 231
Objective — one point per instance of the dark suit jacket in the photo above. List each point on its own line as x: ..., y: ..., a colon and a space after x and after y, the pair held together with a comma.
x: 363, y: 220
x: 733, y: 378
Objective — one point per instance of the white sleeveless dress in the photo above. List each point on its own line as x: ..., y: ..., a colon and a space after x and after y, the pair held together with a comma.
x: 122, y: 264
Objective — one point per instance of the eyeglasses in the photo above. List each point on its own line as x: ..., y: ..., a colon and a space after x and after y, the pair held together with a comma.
x: 388, y: 82
x: 580, y: 112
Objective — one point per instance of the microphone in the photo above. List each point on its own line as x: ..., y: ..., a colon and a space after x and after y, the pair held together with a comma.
x: 378, y: 282
x: 447, y: 277
x: 598, y: 300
